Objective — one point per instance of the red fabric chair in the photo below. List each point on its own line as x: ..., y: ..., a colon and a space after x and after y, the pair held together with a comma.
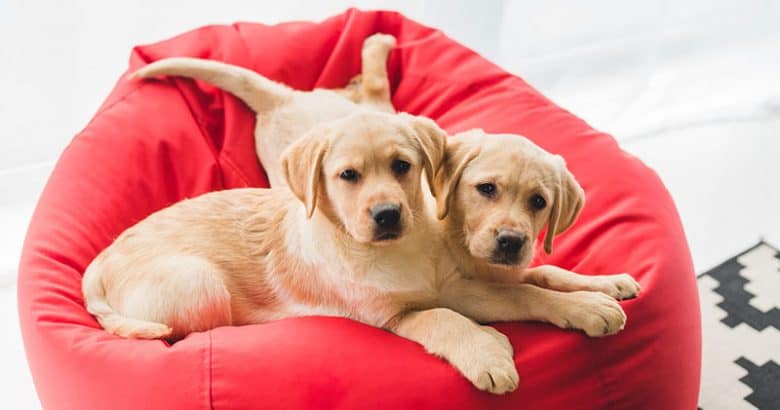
x: 153, y: 143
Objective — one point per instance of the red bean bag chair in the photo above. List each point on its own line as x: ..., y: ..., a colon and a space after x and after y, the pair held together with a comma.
x: 153, y: 143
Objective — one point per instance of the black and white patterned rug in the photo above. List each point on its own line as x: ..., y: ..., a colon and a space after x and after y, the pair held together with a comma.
x: 740, y: 302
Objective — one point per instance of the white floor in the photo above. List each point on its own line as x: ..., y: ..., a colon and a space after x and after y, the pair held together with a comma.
x: 690, y: 87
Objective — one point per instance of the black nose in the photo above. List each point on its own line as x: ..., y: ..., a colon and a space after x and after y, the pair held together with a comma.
x: 386, y: 215
x: 509, y: 243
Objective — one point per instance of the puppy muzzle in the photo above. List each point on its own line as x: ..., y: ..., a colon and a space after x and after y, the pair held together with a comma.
x: 387, y: 221
x: 508, y: 247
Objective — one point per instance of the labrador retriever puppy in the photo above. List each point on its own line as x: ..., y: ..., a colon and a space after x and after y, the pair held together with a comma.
x: 284, y: 114
x: 351, y: 237
x: 495, y: 195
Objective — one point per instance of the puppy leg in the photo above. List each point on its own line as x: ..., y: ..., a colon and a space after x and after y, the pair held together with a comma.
x: 621, y: 286
x: 372, y: 86
x: 478, y: 354
x: 592, y: 312
x: 352, y: 91
x: 375, y: 84
x: 185, y: 293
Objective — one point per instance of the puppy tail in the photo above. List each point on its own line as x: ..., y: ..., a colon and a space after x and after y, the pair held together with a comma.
x: 111, y: 320
x: 256, y: 91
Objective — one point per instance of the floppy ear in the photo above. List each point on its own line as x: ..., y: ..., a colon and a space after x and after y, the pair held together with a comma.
x: 302, y: 168
x: 456, y: 157
x: 567, y: 204
x: 433, y: 141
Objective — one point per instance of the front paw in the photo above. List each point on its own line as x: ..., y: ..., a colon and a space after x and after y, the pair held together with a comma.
x: 502, y: 339
x: 621, y: 286
x: 594, y: 313
x: 488, y: 364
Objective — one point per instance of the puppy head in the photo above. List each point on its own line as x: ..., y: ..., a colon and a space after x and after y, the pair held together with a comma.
x: 500, y: 191
x: 363, y: 172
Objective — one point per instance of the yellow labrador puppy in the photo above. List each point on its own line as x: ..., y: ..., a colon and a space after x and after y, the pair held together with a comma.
x: 495, y: 194
x: 284, y: 114
x: 352, y: 237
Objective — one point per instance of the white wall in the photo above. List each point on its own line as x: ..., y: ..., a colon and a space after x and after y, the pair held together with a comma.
x: 638, y: 68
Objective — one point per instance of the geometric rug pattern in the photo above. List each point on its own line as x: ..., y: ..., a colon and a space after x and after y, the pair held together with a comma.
x: 740, y: 302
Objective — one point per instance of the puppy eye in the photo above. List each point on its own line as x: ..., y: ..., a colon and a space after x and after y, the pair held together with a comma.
x: 349, y: 175
x: 487, y: 190
x: 537, y: 202
x: 400, y: 167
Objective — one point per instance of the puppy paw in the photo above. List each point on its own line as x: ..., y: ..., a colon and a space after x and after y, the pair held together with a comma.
x: 621, y: 286
x: 487, y: 363
x: 493, y: 372
x: 594, y: 313
x: 379, y: 40
x: 501, y: 338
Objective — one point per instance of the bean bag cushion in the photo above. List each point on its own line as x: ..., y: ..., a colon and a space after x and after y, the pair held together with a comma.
x: 154, y: 143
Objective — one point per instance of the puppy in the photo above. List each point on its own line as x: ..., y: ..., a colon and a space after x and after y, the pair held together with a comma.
x: 351, y: 237
x: 284, y: 114
x: 495, y: 194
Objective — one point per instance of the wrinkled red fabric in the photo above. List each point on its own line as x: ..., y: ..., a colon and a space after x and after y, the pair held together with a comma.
x: 153, y: 143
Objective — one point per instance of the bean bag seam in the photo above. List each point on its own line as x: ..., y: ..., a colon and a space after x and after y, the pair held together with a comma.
x: 218, y: 157
x: 247, y: 50
x: 236, y: 169
x: 195, y: 118
x: 606, y: 387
